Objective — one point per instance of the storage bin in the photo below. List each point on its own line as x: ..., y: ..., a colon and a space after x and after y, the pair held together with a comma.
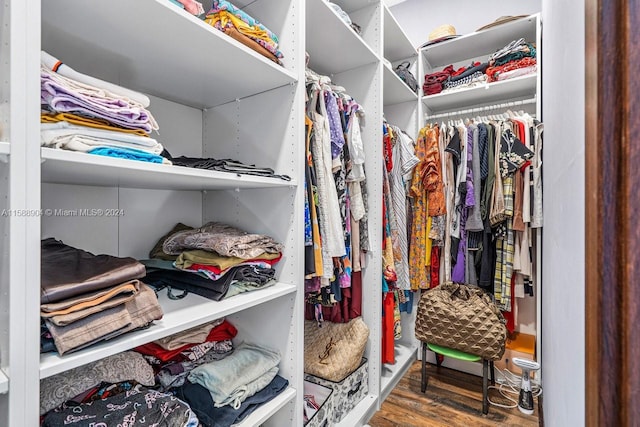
x: 324, y: 397
x: 346, y: 393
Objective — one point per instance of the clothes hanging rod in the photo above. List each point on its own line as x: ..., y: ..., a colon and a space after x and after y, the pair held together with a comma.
x: 485, y: 108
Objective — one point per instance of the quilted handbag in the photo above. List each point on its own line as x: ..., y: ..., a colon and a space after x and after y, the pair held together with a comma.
x: 463, y: 318
x: 402, y: 70
x: 334, y: 350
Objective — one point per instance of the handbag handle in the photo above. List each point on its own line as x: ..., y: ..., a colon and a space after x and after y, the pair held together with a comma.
x: 327, y: 351
x: 402, y: 65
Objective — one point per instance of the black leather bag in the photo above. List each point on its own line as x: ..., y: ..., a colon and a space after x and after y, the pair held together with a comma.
x: 402, y: 70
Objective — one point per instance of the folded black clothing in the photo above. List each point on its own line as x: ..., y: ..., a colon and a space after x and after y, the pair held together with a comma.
x: 200, y: 401
x: 226, y: 165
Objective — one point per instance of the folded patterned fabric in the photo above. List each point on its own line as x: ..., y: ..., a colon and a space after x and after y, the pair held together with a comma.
x: 238, y: 376
x: 223, y: 239
x: 174, y: 374
x: 525, y: 62
x: 506, y: 75
x: 187, y: 258
x: 200, y: 401
x: 219, y: 5
x: 246, y: 273
x: 63, y: 95
x: 87, y: 122
x: 67, y: 272
x: 129, y: 154
x: 224, y: 331
x: 192, y: 6
x: 139, y: 405
x: 224, y: 19
x: 157, y: 251
x: 195, y: 335
x: 128, y: 365
x: 135, y: 313
x: 76, y: 308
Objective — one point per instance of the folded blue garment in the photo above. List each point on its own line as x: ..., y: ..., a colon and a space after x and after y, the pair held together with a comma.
x: 127, y: 153
x: 177, y: 3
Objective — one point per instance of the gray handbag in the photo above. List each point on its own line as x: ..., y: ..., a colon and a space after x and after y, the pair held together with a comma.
x: 402, y: 70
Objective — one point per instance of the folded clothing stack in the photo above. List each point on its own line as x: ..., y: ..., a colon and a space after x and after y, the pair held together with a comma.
x: 226, y: 165
x: 174, y: 357
x: 225, y: 392
x: 214, y: 261
x: 82, y: 113
x: 517, y: 58
x: 87, y: 298
x: 238, y: 24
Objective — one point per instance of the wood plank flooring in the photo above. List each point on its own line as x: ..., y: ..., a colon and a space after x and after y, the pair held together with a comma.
x: 452, y: 399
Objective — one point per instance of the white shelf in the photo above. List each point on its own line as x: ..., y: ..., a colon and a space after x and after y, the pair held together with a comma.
x: 179, y: 315
x: 517, y: 87
x: 391, y: 374
x: 266, y: 410
x: 353, y: 5
x: 480, y: 43
x: 395, y: 90
x: 361, y: 414
x: 71, y: 167
x: 332, y: 45
x: 5, y: 148
x: 397, y: 45
x: 154, y: 47
x: 4, y: 382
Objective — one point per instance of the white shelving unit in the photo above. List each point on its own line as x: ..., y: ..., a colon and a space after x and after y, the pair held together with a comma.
x: 353, y: 61
x: 212, y: 97
x: 405, y: 355
x: 479, y: 46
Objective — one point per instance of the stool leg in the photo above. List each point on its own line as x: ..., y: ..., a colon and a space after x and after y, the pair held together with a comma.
x: 493, y: 373
x: 423, y: 383
x: 485, y: 398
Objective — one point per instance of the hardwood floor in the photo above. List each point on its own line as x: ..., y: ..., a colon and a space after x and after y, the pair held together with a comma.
x: 452, y: 399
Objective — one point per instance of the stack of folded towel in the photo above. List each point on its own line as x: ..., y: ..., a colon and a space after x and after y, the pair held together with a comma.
x: 87, y: 298
x: 82, y: 113
x: 214, y: 261
x: 238, y: 24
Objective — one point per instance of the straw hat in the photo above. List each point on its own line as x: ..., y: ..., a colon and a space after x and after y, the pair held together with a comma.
x: 442, y: 32
x: 500, y: 21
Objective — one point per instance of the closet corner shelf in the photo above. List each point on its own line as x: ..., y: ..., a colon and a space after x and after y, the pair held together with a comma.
x: 5, y: 148
x: 395, y: 90
x: 479, y: 43
x: 332, y: 45
x: 179, y: 315
x: 405, y: 354
x: 266, y: 410
x: 4, y: 382
x: 157, y: 48
x: 397, y: 45
x: 69, y: 167
x: 359, y: 415
x: 353, y: 5
x: 507, y: 89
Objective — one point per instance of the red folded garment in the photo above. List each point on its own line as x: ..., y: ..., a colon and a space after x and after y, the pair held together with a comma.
x: 224, y: 331
x: 217, y: 270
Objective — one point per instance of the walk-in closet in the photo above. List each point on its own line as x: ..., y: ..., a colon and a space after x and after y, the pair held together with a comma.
x: 243, y: 212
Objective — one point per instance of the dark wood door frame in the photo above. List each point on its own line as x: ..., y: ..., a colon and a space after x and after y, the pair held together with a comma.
x: 612, y: 239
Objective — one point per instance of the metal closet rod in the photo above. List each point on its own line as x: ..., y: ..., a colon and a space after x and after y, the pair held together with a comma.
x: 485, y: 108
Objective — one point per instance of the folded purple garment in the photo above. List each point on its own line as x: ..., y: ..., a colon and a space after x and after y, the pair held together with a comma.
x: 118, y: 111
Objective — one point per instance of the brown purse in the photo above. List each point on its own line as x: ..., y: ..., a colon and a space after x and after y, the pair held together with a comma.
x: 334, y: 350
x: 461, y: 317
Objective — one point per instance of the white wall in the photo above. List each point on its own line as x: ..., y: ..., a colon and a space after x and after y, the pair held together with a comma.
x: 563, y: 253
x: 419, y: 17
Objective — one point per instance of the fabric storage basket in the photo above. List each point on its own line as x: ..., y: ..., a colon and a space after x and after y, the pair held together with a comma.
x: 324, y: 397
x: 346, y: 393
